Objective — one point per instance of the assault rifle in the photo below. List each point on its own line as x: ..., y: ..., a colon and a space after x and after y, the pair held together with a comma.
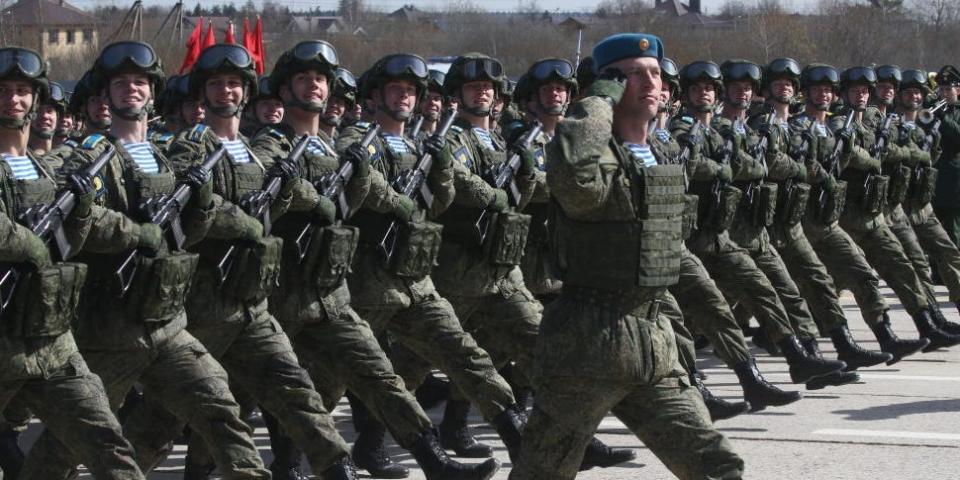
x: 503, y: 177
x: 164, y: 211
x: 46, y: 222
x: 833, y: 161
x: 883, y: 137
x: 413, y: 184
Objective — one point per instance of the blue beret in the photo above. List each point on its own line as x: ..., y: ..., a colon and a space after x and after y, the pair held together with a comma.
x: 626, y: 45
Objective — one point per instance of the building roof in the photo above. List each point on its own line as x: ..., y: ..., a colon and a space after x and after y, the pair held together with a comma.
x: 26, y: 13
x: 317, y: 23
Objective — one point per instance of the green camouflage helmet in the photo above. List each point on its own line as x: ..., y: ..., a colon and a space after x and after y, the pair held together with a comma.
x: 315, y: 55
x: 224, y: 58
x: 472, y: 67
x: 540, y: 73
x: 345, y: 87
x: 25, y: 64
x: 128, y: 57
x: 820, y: 74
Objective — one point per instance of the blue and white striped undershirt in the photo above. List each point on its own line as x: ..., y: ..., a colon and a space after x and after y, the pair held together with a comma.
x: 237, y: 150
x: 396, y: 143
x: 316, y: 147
x: 142, y: 155
x: 23, y: 168
x: 484, y: 136
x: 642, y: 153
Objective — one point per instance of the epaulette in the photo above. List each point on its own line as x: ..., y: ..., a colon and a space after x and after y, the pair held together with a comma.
x: 273, y: 132
x: 456, y: 129
x: 70, y: 143
x: 163, y: 137
x: 92, y: 141
x: 196, y: 133
x: 363, y: 125
x: 687, y: 119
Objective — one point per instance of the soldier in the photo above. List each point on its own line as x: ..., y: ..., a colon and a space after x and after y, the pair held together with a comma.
x: 698, y: 298
x: 430, y: 107
x: 862, y: 216
x: 92, y: 112
x: 946, y: 198
x: 313, y: 300
x: 181, y: 109
x: 43, y: 128
x: 265, y: 108
x: 585, y: 76
x: 131, y: 327
x: 731, y: 267
x: 40, y: 365
x: 755, y: 212
x: 614, y: 278
x: 343, y: 97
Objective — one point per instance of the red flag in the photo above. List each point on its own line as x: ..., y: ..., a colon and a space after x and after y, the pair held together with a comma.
x: 193, y: 47
x: 209, y: 39
x: 229, y: 38
x: 261, y: 53
x: 247, y: 36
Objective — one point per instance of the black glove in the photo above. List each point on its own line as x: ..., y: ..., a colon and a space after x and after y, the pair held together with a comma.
x: 528, y: 162
x: 434, y: 145
x: 359, y: 156
x: 82, y: 187
x: 287, y: 172
x: 199, y: 182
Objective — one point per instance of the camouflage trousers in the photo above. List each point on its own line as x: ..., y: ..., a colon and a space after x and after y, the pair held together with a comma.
x: 73, y: 406
x: 420, y: 321
x: 885, y: 253
x: 939, y: 250
x: 252, y: 347
x: 950, y: 220
x: 848, y: 266
x: 810, y: 276
x: 180, y: 374
x: 706, y: 310
x: 740, y: 278
x: 597, y: 357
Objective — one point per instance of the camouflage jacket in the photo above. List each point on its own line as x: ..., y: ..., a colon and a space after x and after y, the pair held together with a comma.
x: 948, y: 165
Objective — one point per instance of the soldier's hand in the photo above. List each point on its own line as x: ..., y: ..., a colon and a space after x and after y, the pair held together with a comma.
x: 404, y: 208
x: 325, y: 213
x: 359, y: 157
x: 610, y: 84
x: 499, y: 203
x: 250, y: 229
x: 829, y: 183
x: 287, y: 172
x: 724, y: 173
x: 434, y: 145
x: 149, y: 239
x: 82, y: 187
x: 799, y: 171
x: 528, y: 162
x: 202, y: 187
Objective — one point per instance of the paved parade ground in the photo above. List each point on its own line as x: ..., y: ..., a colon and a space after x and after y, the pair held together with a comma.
x: 902, y: 422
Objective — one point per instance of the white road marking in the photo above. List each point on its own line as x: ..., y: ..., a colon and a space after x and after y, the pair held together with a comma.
x: 888, y: 434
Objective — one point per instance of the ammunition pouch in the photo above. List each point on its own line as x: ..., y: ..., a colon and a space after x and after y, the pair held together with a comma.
x: 764, y: 205
x: 45, y: 301
x: 874, y: 193
x: 924, y: 184
x: 833, y: 202
x: 256, y: 269
x: 720, y: 214
x: 160, y: 286
x: 506, y: 243
x: 690, y: 205
x: 792, y: 204
x: 330, y: 255
x: 418, y: 245
x: 899, y: 185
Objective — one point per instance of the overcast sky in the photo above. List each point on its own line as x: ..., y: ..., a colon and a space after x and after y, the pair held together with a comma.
x: 711, y: 6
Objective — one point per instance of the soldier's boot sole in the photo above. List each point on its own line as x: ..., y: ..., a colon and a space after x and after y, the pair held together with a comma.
x: 833, y: 380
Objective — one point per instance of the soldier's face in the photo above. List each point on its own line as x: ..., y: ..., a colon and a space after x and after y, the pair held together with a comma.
x: 309, y: 87
x: 66, y: 123
x: 781, y: 90
x: 664, y: 98
x: 949, y: 93
x: 224, y: 90
x: 820, y: 96
x: 192, y: 112
x: 431, y: 105
x: 97, y: 109
x: 857, y: 96
x: 911, y: 99
x: 478, y: 94
x: 553, y: 97
x: 497, y: 108
x: 46, y: 120
x: 399, y: 96
x: 335, y: 109
x: 739, y: 94
x: 641, y: 97
x: 269, y: 111
x: 702, y: 94
x: 16, y: 99
x: 129, y: 90
x: 885, y: 93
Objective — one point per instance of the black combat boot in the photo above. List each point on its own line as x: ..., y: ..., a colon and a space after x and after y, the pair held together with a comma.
x: 890, y: 343
x: 599, y: 454
x: 719, y: 409
x: 197, y: 471
x: 436, y: 465
x: 455, y: 433
x: 803, y: 367
x: 834, y: 379
x: 432, y: 392
x: 852, y: 354
x: 757, y: 391
x: 11, y: 455
x: 941, y: 321
x: 929, y: 330
x: 342, y: 470
x: 369, y: 452
x: 509, y: 425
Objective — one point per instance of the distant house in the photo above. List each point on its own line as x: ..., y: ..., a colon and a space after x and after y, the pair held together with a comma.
x: 53, y: 28
x: 318, y: 25
x: 677, y: 9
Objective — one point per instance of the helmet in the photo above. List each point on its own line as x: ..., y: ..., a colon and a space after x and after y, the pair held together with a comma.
x: 948, y: 75
x: 858, y: 76
x: 82, y: 91
x: 700, y: 71
x: 224, y: 58
x: 25, y: 64
x: 820, y: 74
x: 782, y: 69
x: 435, y: 80
x: 915, y: 79
x: 128, y: 57
x: 670, y: 75
x: 400, y: 66
x: 543, y: 72
x: 741, y: 70
x: 889, y: 73
x: 345, y: 87
x: 314, y: 55
x: 57, y: 98
x: 472, y: 67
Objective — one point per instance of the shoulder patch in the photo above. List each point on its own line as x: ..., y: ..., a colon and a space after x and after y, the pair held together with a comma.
x: 92, y: 141
x: 196, y: 133
x: 463, y: 156
x: 541, y: 159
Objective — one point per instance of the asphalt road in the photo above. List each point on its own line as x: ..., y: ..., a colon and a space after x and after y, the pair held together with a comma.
x: 900, y: 422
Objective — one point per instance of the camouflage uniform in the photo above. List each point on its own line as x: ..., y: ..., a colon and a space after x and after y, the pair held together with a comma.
x: 40, y: 365
x: 946, y: 199
x: 142, y: 338
x: 603, y: 346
